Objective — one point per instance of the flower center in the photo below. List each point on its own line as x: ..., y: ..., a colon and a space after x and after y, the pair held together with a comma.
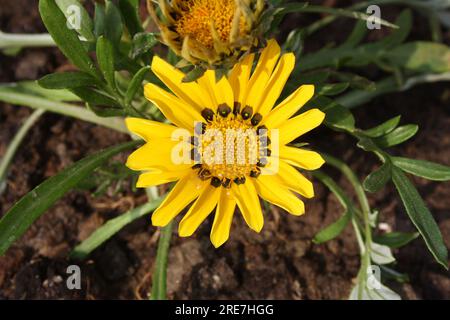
x: 198, y: 16
x: 230, y: 146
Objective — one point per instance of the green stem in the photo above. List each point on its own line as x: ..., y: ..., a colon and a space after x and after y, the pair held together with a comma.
x: 159, y: 280
x: 365, y: 209
x: 15, y: 143
x: 10, y: 95
x: 8, y: 40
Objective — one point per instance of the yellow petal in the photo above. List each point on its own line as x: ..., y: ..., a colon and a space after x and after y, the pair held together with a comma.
x: 208, y: 82
x: 294, y: 180
x: 223, y: 218
x: 179, y: 113
x: 239, y: 77
x: 248, y: 202
x: 289, y: 106
x: 301, y: 158
x: 155, y: 178
x: 147, y: 129
x: 183, y: 193
x: 190, y: 92
x: 262, y: 73
x: 156, y: 154
x: 300, y: 125
x: 199, y: 211
x: 271, y: 190
x: 276, y: 84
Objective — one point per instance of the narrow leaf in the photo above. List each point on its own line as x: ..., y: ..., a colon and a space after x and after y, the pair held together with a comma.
x: 383, y: 128
x: 395, y: 239
x: 420, y: 216
x: 136, y: 84
x: 397, y: 136
x: 378, y: 179
x: 66, y: 39
x: 105, y: 57
x: 77, y: 17
x: 67, y: 80
x: 425, y: 169
x: 110, y: 228
x: 20, y: 217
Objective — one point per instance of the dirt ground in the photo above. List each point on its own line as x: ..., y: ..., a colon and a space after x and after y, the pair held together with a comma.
x: 279, y: 263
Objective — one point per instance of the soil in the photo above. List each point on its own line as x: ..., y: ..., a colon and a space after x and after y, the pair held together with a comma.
x: 280, y: 263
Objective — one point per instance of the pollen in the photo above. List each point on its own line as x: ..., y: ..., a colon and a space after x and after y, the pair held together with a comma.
x: 197, y: 17
x: 229, y: 147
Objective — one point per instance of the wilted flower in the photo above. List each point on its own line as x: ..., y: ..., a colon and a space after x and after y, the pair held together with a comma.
x: 222, y: 118
x: 209, y: 32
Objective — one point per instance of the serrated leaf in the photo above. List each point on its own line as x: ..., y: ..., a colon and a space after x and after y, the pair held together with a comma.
x: 397, y: 136
x: 395, y: 239
x: 66, y: 39
x: 30, y: 207
x: 67, y: 80
x: 378, y: 179
x: 420, y: 216
x: 421, y: 168
x: 383, y: 128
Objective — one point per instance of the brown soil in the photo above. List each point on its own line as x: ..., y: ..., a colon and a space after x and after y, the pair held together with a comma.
x: 279, y: 263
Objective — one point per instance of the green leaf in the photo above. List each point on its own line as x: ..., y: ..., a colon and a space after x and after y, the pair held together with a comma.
x: 66, y: 39
x: 339, y: 117
x: 20, y: 217
x: 395, y: 239
x: 420, y: 216
x: 420, y: 56
x: 378, y: 179
x: 130, y: 10
x: 404, y: 22
x: 105, y: 57
x: 194, y: 74
x: 110, y: 228
x: 113, y: 23
x: 99, y: 20
x: 425, y: 169
x: 106, y: 112
x: 332, y: 89
x: 17, y: 95
x: 143, y: 43
x: 67, y: 80
x: 333, y: 230
x: 383, y: 128
x: 159, y: 280
x: 136, y: 84
x: 77, y: 14
x: 357, y: 35
x: 397, y: 136
x: 94, y: 97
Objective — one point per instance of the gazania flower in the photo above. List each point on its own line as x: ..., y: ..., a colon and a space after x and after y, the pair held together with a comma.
x: 208, y: 111
x: 209, y: 32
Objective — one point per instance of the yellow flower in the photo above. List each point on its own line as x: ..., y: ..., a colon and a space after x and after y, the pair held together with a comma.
x: 208, y: 111
x: 209, y: 32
